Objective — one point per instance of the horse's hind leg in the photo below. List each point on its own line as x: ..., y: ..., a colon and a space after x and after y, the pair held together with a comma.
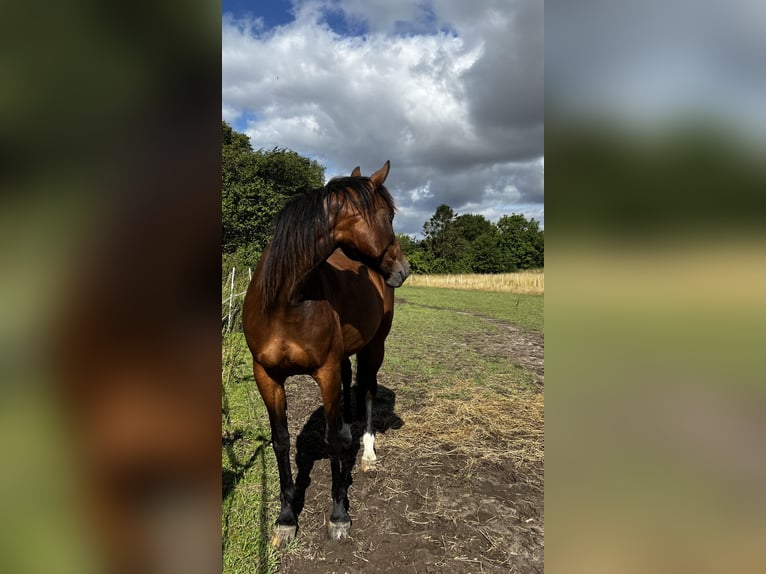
x: 329, y: 380
x: 369, y: 361
x: 273, y: 393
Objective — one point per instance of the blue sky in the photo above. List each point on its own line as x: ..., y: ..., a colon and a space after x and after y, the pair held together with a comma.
x: 273, y: 12
x: 449, y: 91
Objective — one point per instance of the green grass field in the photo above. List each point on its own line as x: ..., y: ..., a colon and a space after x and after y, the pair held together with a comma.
x: 437, y: 351
x: 520, y: 309
x: 250, y: 482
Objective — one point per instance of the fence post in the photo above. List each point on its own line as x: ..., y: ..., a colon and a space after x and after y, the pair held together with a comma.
x: 231, y: 300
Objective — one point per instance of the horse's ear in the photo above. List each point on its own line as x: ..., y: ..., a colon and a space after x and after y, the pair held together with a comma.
x: 357, y: 172
x: 380, y: 176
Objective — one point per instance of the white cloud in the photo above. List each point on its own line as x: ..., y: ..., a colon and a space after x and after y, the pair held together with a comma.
x: 421, y: 193
x: 457, y: 111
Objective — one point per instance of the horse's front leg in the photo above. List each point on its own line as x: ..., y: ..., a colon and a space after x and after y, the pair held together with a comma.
x: 338, y: 439
x: 369, y: 361
x: 273, y: 393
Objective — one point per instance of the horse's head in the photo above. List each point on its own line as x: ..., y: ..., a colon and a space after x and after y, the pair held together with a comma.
x: 364, y: 229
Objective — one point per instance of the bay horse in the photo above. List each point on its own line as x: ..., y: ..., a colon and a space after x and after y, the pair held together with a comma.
x: 323, y: 291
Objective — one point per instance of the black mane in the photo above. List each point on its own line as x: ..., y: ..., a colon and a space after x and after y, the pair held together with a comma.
x: 302, y: 234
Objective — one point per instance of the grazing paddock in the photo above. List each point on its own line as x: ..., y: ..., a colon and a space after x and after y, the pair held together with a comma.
x: 530, y: 282
x: 459, y: 420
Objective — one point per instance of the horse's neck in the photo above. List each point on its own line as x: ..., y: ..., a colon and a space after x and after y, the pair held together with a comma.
x: 305, y: 276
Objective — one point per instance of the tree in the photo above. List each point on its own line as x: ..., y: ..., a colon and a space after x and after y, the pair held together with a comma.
x: 444, y: 243
x: 255, y: 186
x: 233, y: 140
x: 470, y: 243
x: 434, y: 228
x: 487, y: 255
x: 407, y: 243
x: 522, y: 240
x: 420, y: 260
x: 470, y: 226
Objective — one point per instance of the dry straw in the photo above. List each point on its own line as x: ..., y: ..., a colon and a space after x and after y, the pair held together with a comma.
x: 531, y: 282
x: 478, y: 423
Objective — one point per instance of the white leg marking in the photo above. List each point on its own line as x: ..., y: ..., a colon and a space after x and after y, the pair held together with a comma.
x: 369, y: 447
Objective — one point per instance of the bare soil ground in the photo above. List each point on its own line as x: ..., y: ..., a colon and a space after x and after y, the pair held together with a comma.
x: 521, y: 348
x: 456, y: 488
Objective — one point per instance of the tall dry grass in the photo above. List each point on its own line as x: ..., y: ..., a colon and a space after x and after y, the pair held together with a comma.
x: 530, y: 282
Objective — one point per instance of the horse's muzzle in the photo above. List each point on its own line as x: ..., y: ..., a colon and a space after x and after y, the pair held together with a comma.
x: 399, y: 273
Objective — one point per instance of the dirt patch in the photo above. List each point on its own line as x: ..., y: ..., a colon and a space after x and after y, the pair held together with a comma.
x: 458, y: 486
x: 521, y: 348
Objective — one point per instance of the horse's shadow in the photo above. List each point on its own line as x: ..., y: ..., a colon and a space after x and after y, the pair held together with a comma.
x: 310, y: 445
x: 231, y: 478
